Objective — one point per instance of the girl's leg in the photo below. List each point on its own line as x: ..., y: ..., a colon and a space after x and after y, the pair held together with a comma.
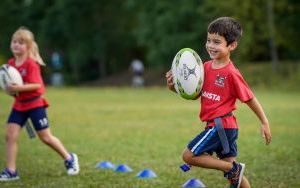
x: 46, y: 136
x: 71, y: 160
x: 12, y: 134
x: 245, y: 183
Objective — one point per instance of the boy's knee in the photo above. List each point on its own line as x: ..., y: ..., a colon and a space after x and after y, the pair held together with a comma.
x: 187, y: 156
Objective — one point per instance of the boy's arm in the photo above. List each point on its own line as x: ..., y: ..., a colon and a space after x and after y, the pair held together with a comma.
x: 170, y: 82
x: 258, y: 110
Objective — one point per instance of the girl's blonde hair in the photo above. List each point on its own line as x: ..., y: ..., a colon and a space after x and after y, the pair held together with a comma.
x: 27, y: 36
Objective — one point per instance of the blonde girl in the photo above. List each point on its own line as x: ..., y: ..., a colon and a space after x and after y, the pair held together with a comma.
x: 30, y: 103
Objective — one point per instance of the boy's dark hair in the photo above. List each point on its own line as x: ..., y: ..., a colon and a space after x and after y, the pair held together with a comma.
x: 227, y: 27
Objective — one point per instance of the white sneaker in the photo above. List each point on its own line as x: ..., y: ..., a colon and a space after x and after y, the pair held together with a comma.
x: 72, y: 165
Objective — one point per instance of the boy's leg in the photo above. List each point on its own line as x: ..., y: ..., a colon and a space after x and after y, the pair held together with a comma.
x: 245, y: 183
x: 206, y: 161
x: 12, y: 135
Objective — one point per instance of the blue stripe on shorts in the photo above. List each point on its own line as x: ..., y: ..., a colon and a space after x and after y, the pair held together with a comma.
x: 208, y: 141
x: 199, y: 144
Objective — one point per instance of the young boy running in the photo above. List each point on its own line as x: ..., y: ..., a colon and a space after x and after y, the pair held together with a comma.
x: 223, y: 85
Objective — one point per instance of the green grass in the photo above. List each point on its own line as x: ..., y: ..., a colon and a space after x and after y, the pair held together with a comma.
x: 149, y: 128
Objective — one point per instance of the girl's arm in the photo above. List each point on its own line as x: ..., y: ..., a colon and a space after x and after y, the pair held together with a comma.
x: 23, y: 88
x: 258, y: 110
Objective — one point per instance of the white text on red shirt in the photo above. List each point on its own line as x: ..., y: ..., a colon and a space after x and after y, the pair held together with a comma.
x: 211, y: 96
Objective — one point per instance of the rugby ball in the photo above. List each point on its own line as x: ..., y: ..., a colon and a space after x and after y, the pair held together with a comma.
x: 188, y: 73
x: 9, y: 75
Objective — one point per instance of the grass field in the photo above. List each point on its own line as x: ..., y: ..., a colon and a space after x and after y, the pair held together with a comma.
x: 149, y: 128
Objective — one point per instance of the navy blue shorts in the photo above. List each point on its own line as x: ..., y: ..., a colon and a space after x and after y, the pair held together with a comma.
x: 38, y: 118
x: 209, y: 142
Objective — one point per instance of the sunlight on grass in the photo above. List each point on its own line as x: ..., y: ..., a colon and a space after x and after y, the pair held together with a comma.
x: 149, y: 128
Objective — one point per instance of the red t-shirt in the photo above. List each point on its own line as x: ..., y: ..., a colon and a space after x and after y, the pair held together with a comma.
x: 31, y: 73
x: 220, y: 90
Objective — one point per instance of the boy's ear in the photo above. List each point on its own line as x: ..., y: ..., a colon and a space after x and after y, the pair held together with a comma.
x: 233, y: 45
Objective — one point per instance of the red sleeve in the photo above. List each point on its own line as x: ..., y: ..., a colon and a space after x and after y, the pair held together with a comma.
x: 240, y: 88
x: 34, y: 73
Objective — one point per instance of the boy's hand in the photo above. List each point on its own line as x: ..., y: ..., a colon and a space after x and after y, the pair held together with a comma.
x: 170, y: 82
x: 258, y: 110
x: 266, y: 133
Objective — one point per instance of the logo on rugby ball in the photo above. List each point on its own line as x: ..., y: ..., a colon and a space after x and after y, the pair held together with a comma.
x: 188, y: 73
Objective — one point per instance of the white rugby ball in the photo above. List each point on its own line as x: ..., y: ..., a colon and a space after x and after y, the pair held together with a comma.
x: 9, y: 75
x: 188, y: 73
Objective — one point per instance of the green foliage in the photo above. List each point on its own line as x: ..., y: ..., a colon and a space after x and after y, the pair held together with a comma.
x: 252, y: 14
x: 99, y: 38
x: 149, y: 128
x: 287, y: 30
x: 87, y: 32
x: 165, y: 28
x: 261, y: 75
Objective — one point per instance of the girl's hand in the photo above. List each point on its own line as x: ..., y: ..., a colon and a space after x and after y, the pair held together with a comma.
x: 170, y: 82
x: 12, y: 88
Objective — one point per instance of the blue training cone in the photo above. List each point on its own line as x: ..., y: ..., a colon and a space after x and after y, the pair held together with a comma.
x: 147, y: 173
x: 193, y: 183
x: 123, y: 168
x: 105, y: 165
x: 185, y: 167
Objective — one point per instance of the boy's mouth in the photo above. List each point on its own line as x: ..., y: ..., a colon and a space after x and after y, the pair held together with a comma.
x: 213, y: 52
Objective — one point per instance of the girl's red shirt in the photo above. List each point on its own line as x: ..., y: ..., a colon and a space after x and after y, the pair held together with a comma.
x: 31, y: 73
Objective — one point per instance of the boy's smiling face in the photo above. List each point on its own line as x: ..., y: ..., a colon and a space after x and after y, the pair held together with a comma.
x: 217, y: 48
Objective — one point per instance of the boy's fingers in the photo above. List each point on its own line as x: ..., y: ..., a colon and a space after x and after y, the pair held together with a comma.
x: 267, y: 138
x: 170, y: 83
x: 170, y: 80
x: 168, y: 75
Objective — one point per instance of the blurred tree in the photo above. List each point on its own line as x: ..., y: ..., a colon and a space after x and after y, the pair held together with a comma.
x: 98, y: 38
x: 253, y: 14
x: 92, y: 34
x: 287, y: 15
x: 273, y: 48
x: 165, y: 27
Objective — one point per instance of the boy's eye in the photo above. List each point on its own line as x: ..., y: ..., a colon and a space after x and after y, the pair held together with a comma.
x: 217, y: 42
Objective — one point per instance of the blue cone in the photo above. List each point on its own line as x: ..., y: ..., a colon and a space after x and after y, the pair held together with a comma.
x: 105, y: 165
x: 147, y: 173
x: 123, y: 168
x: 193, y: 183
